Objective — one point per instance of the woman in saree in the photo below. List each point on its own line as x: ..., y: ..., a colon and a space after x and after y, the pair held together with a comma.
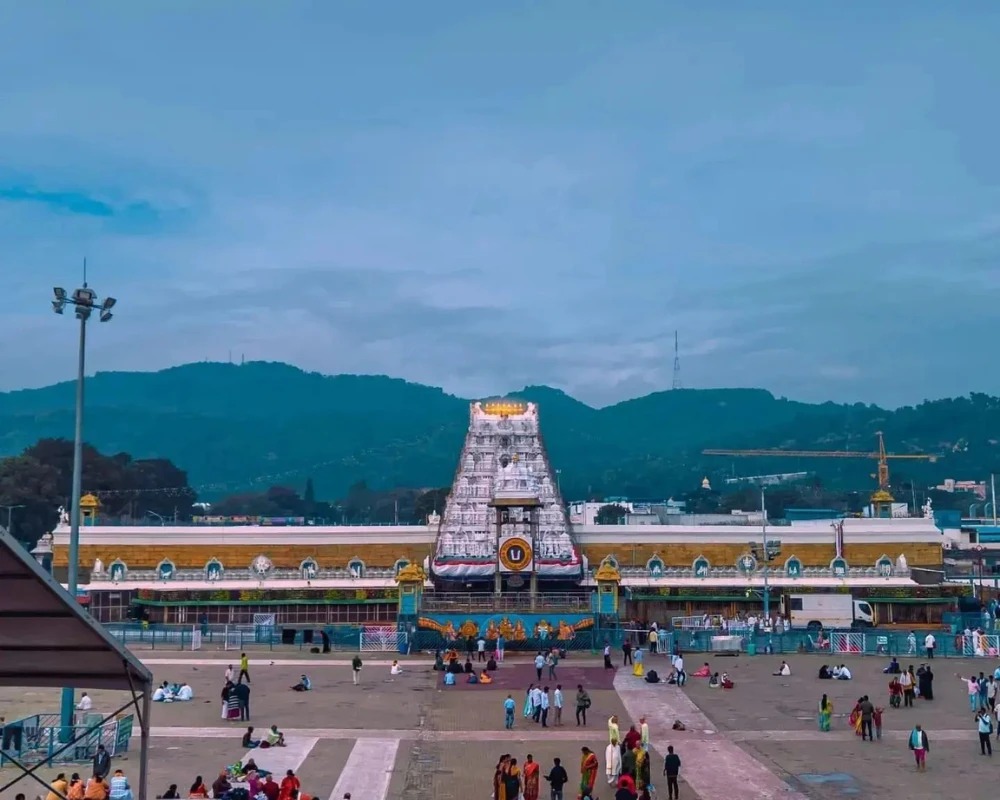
x: 641, y: 769
x: 855, y: 718
x: 512, y: 780
x: 588, y: 772
x: 531, y: 778
x: 499, y: 789
x: 529, y: 707
x: 825, y: 713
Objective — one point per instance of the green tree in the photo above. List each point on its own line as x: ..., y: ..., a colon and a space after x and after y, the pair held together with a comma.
x: 611, y: 514
x: 27, y: 482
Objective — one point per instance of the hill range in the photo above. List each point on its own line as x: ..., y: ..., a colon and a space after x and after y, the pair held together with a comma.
x: 238, y: 428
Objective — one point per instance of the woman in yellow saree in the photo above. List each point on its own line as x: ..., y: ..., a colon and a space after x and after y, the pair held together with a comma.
x: 855, y: 718
x: 641, y: 769
x: 499, y: 788
x: 588, y: 772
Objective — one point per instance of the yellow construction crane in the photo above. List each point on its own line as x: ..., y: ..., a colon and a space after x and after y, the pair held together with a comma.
x: 882, y: 497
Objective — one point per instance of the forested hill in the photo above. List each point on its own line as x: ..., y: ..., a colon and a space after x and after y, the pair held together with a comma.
x: 240, y: 427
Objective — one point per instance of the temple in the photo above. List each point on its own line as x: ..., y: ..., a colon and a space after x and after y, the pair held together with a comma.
x: 504, y: 500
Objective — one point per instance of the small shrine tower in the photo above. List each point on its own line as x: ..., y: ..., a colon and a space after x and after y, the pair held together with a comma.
x: 89, y: 506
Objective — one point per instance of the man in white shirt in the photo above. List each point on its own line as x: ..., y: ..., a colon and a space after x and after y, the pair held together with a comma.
x: 906, y: 681
x: 557, y: 703
x: 845, y: 673
x: 681, y: 674
x: 930, y: 644
x: 911, y: 644
x: 607, y: 656
x: 536, y: 703
x: 481, y: 648
x: 85, y: 703
x: 545, y: 707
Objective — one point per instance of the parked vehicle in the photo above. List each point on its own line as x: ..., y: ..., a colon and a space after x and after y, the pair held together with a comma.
x: 815, y: 611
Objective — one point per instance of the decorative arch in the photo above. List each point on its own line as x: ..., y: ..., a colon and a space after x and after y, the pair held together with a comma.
x: 356, y: 567
x: 610, y: 559
x: 793, y: 567
x: 747, y: 564
x: 885, y: 566
x: 309, y: 568
x: 655, y: 566
x: 400, y: 564
x: 839, y: 567
x: 166, y: 570
x: 700, y: 566
x: 117, y: 570
x: 214, y: 571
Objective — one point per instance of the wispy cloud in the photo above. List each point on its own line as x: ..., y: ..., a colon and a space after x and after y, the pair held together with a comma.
x: 484, y: 200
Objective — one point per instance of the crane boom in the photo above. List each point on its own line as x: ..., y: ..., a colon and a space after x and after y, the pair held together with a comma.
x: 879, y: 455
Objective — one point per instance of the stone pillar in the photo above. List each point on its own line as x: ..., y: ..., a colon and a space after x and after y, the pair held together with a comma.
x: 497, y: 576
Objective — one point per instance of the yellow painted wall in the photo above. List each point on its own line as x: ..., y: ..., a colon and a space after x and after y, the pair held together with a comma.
x: 328, y: 556
x: 726, y: 555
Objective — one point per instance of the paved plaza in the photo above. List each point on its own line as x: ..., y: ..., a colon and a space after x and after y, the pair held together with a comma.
x: 412, y: 738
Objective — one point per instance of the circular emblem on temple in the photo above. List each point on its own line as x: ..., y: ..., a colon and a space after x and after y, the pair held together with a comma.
x: 515, y: 554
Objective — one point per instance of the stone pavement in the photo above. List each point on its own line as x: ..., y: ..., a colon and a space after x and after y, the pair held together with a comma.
x: 414, y: 739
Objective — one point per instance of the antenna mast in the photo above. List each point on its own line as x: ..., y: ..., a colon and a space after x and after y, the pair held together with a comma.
x: 677, y: 364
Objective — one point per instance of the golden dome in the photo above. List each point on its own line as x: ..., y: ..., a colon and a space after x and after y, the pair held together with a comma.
x: 411, y: 573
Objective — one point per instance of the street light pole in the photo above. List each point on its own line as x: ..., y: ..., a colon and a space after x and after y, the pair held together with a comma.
x: 10, y: 517
x: 84, y: 301
x: 767, y: 588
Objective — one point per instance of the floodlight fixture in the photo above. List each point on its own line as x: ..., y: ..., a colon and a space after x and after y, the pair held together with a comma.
x: 108, y: 304
x: 106, y: 315
x: 83, y: 311
x: 60, y: 293
x: 58, y: 306
x: 84, y: 296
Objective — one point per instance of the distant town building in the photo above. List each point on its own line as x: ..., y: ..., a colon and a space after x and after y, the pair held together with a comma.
x: 977, y: 488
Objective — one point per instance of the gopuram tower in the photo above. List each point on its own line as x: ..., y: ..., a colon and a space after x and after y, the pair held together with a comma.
x: 505, y: 526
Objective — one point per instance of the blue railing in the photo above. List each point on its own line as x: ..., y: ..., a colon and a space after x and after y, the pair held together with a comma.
x: 38, y: 739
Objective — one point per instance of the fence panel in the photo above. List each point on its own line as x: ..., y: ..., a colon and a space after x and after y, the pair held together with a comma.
x: 847, y: 643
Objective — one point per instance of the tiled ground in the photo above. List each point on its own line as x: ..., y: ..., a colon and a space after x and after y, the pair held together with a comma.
x: 413, y: 739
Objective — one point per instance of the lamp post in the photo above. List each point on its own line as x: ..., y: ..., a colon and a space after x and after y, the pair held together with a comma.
x: 84, y: 302
x: 764, y: 556
x: 10, y: 516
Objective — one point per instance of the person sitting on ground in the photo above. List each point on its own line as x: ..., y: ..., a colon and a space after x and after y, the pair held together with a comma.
x: 163, y: 694
x: 704, y: 671
x: 491, y: 664
x: 451, y: 655
x: 97, y: 789
x: 783, y: 671
x: 251, y: 766
x: 60, y: 787
x: 473, y: 678
x: 678, y: 725
x: 842, y: 673
x: 449, y: 678
x: 198, y: 789
x: 395, y: 669
x: 727, y: 682
x: 304, y: 684
x: 221, y: 785
x: 170, y: 794
x: 248, y: 741
x: 825, y: 674
x: 185, y: 693
x: 76, y: 787
x: 652, y: 676
x: 454, y: 667
x: 118, y: 788
x: 467, y: 669
x: 484, y: 677
x: 714, y: 682
x: 893, y: 668
x: 275, y: 738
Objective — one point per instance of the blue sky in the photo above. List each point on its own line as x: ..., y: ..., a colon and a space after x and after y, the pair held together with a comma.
x: 482, y: 196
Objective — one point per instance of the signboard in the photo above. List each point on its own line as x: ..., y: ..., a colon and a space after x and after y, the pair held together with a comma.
x: 123, y: 733
x: 515, y: 554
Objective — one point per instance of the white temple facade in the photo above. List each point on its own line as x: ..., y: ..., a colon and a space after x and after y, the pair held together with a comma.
x: 503, y: 455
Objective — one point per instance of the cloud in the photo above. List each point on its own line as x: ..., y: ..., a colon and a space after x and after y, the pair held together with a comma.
x: 483, y: 201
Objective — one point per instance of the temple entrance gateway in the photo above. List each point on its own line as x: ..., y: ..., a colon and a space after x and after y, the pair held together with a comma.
x: 515, y: 506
